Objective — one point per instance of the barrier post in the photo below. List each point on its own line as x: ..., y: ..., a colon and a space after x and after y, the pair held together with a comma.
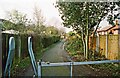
x: 39, y: 69
x: 71, y: 68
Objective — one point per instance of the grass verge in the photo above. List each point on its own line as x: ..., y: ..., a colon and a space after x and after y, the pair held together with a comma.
x: 21, y: 66
x: 108, y: 69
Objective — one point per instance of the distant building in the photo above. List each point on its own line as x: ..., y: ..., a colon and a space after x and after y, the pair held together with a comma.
x: 11, y: 31
x: 110, y: 29
x: 7, y: 31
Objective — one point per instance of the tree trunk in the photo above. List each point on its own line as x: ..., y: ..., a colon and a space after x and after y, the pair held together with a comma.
x: 92, y: 41
x: 87, y: 31
x: 83, y: 42
x: 87, y: 46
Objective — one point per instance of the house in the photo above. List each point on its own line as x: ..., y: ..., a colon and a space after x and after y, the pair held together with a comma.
x: 110, y: 29
x: 107, y: 40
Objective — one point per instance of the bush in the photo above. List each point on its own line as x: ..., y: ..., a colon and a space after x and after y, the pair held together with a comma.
x: 21, y: 46
x: 48, y: 40
x: 74, y: 45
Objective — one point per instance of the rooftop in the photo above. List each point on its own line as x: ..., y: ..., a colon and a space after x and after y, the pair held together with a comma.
x: 105, y: 28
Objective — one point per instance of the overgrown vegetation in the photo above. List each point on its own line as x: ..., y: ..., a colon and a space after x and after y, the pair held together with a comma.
x: 73, y: 44
x: 84, y: 18
x: 18, y: 68
x: 73, y: 47
x: 42, y: 37
x: 111, y: 69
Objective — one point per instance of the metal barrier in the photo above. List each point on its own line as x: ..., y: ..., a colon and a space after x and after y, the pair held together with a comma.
x: 32, y: 55
x: 44, y: 64
x: 10, y: 56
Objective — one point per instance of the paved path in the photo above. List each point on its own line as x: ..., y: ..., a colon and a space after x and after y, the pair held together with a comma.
x: 58, y: 54
x: 54, y: 54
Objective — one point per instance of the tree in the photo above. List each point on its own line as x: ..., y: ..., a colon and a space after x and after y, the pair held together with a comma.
x: 17, y: 20
x: 111, y: 16
x: 51, y: 30
x: 83, y: 17
x: 38, y: 19
x: 61, y: 30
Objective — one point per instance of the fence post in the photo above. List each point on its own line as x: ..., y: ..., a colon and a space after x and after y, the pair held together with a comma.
x: 39, y: 69
x: 97, y: 43
x: 0, y: 52
x: 118, y: 46
x: 106, y: 54
x: 10, y: 56
x: 4, y: 51
x: 71, y: 68
x: 19, y: 47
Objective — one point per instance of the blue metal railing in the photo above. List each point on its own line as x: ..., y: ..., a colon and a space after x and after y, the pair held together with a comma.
x: 34, y: 65
x: 10, y: 56
x: 44, y: 64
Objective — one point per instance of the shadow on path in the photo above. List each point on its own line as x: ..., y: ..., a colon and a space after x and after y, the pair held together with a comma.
x: 54, y: 54
x: 57, y: 54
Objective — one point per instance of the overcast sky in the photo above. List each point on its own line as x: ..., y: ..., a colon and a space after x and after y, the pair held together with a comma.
x: 27, y: 7
x: 50, y: 13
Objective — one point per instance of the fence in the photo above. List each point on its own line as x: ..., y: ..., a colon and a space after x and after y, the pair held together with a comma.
x: 21, y: 45
x: 108, y: 46
x: 71, y: 64
x: 0, y: 53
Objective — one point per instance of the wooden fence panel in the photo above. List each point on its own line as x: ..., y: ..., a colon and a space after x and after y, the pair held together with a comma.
x: 102, y: 44
x: 4, y: 51
x: 119, y: 47
x: 113, y: 47
x: 24, y: 46
x: 92, y: 43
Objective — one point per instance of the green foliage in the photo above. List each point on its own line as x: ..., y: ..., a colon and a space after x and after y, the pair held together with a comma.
x: 51, y: 30
x: 111, y: 16
x: 74, y: 44
x: 112, y: 67
x: 17, y: 20
x: 48, y: 40
x: 77, y: 14
x: 71, y: 33
x: 8, y: 25
x: 83, y: 17
x: 39, y: 43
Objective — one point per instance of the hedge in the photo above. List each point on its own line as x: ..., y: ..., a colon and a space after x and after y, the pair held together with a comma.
x: 21, y: 45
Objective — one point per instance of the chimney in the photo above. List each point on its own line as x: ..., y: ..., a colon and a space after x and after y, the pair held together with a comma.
x: 116, y: 22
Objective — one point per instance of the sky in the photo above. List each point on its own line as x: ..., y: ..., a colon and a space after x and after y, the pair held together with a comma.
x: 50, y: 13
